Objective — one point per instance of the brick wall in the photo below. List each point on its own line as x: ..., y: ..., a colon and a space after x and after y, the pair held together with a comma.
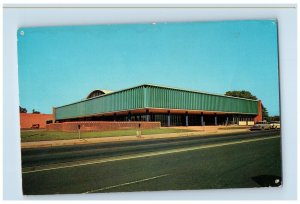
x: 54, y: 127
x: 259, y: 116
x: 99, y: 126
x: 29, y: 119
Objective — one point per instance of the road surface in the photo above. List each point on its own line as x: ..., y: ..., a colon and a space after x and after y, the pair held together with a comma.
x: 229, y: 161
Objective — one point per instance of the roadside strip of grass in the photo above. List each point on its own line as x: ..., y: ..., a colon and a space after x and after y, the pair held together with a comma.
x: 235, y: 127
x: 42, y: 135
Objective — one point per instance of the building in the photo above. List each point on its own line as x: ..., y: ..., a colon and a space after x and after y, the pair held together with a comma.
x: 170, y: 106
x: 34, y: 120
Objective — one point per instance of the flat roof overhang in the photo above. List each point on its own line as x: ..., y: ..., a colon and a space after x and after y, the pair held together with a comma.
x: 161, y: 111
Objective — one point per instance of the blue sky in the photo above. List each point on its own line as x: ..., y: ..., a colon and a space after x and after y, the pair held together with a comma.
x: 60, y: 65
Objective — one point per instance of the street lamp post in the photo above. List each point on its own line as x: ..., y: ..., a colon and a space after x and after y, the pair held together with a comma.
x: 79, y: 131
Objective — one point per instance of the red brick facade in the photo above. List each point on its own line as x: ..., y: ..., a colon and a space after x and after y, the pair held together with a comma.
x: 27, y: 120
x: 259, y: 117
x: 99, y: 126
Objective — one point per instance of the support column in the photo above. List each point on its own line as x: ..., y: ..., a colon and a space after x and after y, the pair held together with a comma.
x: 152, y: 117
x: 216, y: 119
x: 169, y: 119
x: 147, y: 115
x: 129, y: 116
x: 227, y: 119
x: 115, y: 117
x: 186, y: 119
x: 202, y: 119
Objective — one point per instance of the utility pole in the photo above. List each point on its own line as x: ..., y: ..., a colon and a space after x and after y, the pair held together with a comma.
x: 79, y: 131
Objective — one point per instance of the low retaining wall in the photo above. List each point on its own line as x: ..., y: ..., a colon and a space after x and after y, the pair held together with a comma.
x: 100, y: 126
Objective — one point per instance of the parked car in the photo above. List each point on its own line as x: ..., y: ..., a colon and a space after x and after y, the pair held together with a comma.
x: 275, y: 124
x: 263, y: 125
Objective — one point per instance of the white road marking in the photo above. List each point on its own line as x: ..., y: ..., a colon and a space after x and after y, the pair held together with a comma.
x: 126, y: 184
x: 150, y: 154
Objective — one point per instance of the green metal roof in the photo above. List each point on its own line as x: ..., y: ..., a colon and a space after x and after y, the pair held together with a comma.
x: 194, y: 91
x: 154, y: 96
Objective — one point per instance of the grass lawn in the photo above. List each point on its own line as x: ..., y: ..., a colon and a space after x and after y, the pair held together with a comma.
x: 42, y: 135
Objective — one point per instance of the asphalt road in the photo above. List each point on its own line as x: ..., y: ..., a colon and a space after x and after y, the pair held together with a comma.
x: 229, y: 161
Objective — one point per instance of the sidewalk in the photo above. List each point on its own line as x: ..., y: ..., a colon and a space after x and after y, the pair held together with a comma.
x: 55, y: 143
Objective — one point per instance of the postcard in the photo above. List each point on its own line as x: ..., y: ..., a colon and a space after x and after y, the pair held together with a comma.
x: 149, y: 107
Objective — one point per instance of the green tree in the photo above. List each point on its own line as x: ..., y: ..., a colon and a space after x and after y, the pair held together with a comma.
x: 35, y: 112
x: 248, y: 95
x: 265, y: 112
x: 241, y: 94
x: 274, y: 118
x: 22, y: 110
